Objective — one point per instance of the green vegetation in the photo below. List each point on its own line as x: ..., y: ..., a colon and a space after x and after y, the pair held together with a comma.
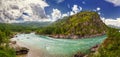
x: 5, y: 50
x: 18, y: 28
x: 111, y: 46
x: 82, y: 24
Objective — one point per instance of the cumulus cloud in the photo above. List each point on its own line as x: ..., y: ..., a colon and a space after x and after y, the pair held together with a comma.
x: 75, y: 9
x: 27, y: 9
x: 56, y: 14
x: 115, y: 2
x: 114, y: 22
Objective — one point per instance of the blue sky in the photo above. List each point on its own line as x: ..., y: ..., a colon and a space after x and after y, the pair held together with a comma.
x: 108, y: 8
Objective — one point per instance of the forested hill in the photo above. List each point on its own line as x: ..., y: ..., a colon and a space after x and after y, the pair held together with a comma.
x: 83, y: 24
x: 111, y: 46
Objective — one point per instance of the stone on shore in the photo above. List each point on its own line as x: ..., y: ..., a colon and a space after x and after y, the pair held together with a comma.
x: 19, y: 49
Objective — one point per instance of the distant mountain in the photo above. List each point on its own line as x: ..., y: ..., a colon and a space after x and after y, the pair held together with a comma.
x: 81, y: 25
x: 33, y: 24
x: 25, y: 27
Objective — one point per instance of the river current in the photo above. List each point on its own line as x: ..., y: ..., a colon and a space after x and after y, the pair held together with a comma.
x: 43, y: 46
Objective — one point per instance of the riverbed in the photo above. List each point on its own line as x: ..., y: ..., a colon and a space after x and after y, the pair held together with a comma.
x: 43, y: 46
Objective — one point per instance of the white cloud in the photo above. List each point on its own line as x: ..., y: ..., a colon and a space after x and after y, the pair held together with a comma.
x: 14, y: 9
x: 56, y: 14
x: 80, y: 8
x: 64, y: 15
x: 114, y: 22
x: 72, y: 13
x: 98, y: 8
x: 115, y: 2
x: 75, y: 9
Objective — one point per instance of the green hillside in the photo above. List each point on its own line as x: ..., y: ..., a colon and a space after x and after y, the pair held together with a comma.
x: 111, y: 46
x: 83, y: 24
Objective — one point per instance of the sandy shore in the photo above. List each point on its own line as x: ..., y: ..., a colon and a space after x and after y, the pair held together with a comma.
x: 33, y: 51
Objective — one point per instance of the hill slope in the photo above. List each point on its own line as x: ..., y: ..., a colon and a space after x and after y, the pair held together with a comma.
x: 84, y: 24
x: 111, y: 46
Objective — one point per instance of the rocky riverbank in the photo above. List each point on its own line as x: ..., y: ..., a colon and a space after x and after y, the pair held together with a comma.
x: 20, y: 50
x: 92, y: 50
x: 74, y: 36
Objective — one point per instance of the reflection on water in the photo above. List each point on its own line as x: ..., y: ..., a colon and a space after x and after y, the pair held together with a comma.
x: 43, y: 46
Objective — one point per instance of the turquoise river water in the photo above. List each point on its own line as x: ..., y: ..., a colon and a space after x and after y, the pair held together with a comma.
x: 50, y: 47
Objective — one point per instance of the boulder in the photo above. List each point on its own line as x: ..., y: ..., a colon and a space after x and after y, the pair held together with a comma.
x: 22, y: 50
x: 19, y: 49
x: 94, y: 48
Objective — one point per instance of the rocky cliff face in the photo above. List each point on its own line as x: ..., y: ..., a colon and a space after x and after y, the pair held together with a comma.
x: 22, y: 10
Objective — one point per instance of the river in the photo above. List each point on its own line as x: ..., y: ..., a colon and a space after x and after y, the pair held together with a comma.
x: 43, y: 46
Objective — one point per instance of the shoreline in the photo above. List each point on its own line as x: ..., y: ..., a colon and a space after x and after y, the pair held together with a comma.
x: 60, y: 36
x: 63, y: 36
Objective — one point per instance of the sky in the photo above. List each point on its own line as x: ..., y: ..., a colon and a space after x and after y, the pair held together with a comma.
x: 109, y: 10
x: 51, y: 10
x: 106, y: 8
